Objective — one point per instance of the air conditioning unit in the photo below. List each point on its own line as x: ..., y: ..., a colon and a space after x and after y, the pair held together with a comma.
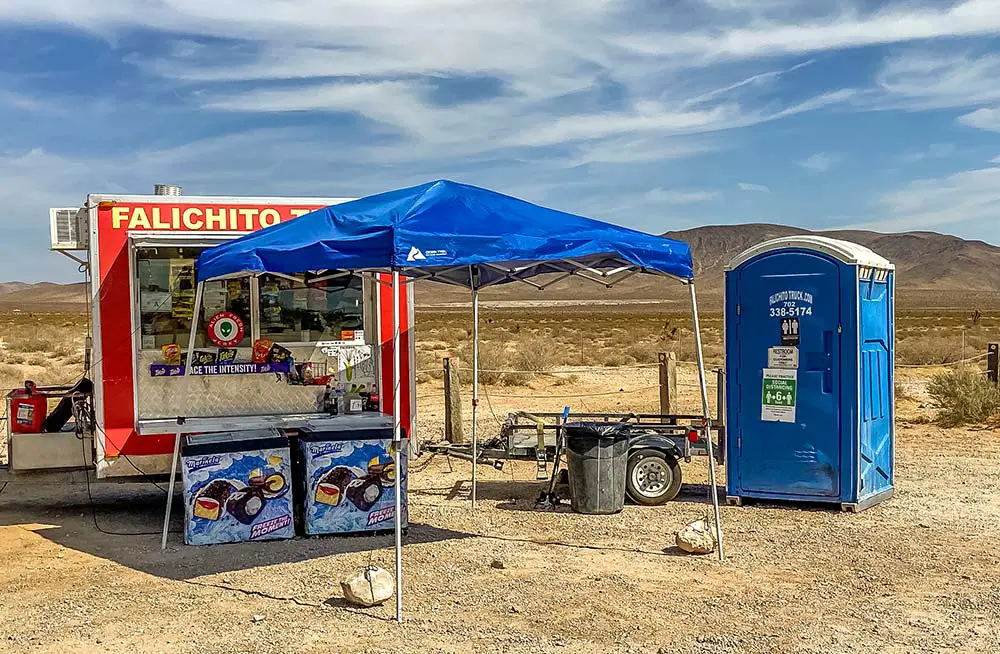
x: 69, y: 229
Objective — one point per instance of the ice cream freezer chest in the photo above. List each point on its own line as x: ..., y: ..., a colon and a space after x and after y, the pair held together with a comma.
x: 347, y: 481
x: 237, y: 487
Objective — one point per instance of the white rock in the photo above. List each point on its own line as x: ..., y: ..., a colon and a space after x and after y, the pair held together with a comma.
x: 697, y: 537
x: 368, y: 587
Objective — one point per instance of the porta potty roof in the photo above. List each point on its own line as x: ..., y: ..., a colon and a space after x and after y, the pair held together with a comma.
x: 849, y: 253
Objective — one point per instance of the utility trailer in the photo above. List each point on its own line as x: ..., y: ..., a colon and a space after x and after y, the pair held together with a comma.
x: 657, y: 445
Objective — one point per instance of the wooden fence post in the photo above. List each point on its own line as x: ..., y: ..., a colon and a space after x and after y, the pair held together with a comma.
x: 993, y: 362
x: 453, y: 432
x: 668, y: 382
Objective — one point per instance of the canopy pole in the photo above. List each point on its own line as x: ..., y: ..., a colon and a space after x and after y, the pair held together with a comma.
x: 708, y: 420
x: 177, y: 435
x: 475, y: 388
x: 397, y: 445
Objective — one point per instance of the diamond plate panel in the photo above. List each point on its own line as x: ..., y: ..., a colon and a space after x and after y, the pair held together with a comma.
x: 224, y: 395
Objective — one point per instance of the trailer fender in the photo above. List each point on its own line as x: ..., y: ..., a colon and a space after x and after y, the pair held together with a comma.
x: 653, y: 441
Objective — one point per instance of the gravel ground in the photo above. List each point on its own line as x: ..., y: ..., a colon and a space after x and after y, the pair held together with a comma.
x: 916, y: 574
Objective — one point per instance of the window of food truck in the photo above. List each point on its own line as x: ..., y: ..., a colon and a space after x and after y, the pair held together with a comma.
x: 166, y: 298
x: 292, y: 311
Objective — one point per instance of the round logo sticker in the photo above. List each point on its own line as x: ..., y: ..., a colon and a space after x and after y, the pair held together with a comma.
x: 225, y: 329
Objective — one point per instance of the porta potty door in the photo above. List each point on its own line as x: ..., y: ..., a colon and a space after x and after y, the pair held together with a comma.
x: 788, y: 379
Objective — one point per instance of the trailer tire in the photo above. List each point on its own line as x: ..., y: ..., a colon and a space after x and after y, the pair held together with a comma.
x: 652, y: 477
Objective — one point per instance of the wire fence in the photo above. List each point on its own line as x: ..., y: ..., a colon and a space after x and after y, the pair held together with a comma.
x: 569, y: 370
x: 950, y: 364
x: 536, y: 396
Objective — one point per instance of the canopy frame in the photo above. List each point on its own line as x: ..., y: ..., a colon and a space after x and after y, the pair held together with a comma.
x: 398, y: 443
x: 437, y: 232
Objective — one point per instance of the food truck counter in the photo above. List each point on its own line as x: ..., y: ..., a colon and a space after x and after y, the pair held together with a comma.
x: 310, y: 421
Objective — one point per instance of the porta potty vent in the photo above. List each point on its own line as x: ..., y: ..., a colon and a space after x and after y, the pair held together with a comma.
x: 809, y: 351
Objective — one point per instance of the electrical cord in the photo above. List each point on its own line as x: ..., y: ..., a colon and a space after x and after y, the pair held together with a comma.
x: 142, y: 473
x: 83, y: 413
x: 93, y: 507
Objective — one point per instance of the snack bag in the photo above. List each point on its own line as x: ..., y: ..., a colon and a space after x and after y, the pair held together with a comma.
x: 171, y: 354
x: 226, y: 355
x: 204, y: 358
x: 261, y: 350
x: 278, y: 354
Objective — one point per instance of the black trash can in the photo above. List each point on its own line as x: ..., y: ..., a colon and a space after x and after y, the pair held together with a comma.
x: 596, y: 456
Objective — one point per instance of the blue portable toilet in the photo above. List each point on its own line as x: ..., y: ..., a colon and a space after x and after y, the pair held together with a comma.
x: 809, y: 354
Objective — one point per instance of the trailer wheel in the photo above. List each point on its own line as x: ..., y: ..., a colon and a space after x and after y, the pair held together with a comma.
x: 652, y: 477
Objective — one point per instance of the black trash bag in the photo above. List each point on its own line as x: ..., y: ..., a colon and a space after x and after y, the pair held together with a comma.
x: 597, y: 457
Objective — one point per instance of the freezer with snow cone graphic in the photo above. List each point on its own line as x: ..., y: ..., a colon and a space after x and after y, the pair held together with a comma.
x: 348, y: 481
x: 236, y: 487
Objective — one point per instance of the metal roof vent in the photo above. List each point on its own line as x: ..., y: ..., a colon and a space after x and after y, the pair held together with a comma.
x: 166, y: 189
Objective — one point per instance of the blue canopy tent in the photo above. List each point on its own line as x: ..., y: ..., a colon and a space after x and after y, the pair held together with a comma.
x: 460, y: 235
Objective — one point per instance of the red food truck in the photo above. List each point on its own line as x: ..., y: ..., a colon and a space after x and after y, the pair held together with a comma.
x: 138, y: 253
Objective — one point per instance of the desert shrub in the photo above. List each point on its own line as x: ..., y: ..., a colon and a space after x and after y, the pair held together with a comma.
x: 646, y: 351
x: 565, y: 380
x: 507, y: 363
x: 964, y: 396
x: 902, y: 391
x: 429, y: 365
x: 534, y: 354
x: 928, y: 350
x: 493, y: 359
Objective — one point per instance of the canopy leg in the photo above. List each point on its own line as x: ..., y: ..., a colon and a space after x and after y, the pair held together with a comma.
x: 177, y: 435
x: 397, y: 445
x: 708, y: 420
x: 475, y: 389
x: 170, y: 489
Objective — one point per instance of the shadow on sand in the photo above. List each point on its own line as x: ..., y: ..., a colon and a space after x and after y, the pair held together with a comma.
x: 129, y: 518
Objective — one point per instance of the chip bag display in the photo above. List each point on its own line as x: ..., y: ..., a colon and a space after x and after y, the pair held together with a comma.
x: 278, y: 354
x: 204, y: 358
x: 171, y: 354
x: 261, y: 350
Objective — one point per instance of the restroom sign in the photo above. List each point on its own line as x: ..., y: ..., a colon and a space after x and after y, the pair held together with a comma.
x: 790, y: 331
x: 779, y: 395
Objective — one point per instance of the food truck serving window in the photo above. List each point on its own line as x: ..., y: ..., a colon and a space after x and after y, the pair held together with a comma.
x: 292, y: 311
x: 166, y: 298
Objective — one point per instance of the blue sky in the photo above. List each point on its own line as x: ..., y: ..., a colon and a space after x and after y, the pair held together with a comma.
x: 657, y: 115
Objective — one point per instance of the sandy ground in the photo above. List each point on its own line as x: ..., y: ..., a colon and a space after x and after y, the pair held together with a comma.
x: 917, y: 574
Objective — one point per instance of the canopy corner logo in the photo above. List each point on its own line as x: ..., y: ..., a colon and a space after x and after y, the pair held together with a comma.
x: 416, y: 254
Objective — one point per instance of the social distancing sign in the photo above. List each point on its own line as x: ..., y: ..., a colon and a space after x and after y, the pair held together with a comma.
x: 779, y: 395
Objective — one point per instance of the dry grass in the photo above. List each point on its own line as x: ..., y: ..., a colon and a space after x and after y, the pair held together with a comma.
x: 537, y: 340
x: 533, y: 341
x: 47, y: 348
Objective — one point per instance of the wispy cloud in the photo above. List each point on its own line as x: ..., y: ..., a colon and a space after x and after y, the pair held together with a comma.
x: 837, y: 28
x: 936, y: 77
x: 987, y: 119
x: 566, y: 102
x: 680, y: 196
x: 821, y: 162
x: 933, y: 151
x: 940, y: 203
